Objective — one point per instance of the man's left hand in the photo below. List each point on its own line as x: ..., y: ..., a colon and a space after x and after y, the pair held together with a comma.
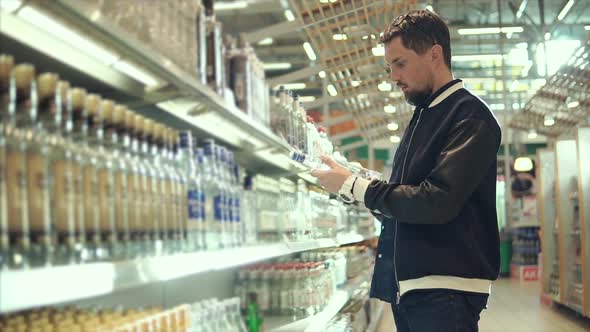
x: 332, y: 179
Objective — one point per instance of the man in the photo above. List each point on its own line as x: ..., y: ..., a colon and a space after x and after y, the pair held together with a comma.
x: 438, y: 252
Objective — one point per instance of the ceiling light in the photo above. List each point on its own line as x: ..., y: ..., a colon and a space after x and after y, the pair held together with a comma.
x: 355, y: 83
x: 266, y: 41
x: 230, y: 5
x: 95, y: 16
x: 396, y: 94
x: 573, y: 104
x: 136, y: 72
x: 587, y: 27
x: 322, y: 74
x: 395, y: 139
x: 10, y: 5
x: 384, y: 86
x: 340, y: 36
x: 547, y: 35
x: 392, y: 126
x: 477, y: 57
x: 378, y: 50
x: 276, y: 65
x: 309, y: 51
x: 306, y: 99
x: 523, y: 164
x: 292, y: 86
x: 289, y: 15
x: 521, y: 8
x: 490, y: 30
x: 565, y: 10
x: 332, y: 90
x: 67, y: 35
x: 429, y: 8
x: 549, y: 121
x: 532, y: 134
x: 389, y: 109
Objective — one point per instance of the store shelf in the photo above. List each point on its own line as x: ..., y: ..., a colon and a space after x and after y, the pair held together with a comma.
x: 176, y: 93
x: 20, y: 289
x: 376, y: 319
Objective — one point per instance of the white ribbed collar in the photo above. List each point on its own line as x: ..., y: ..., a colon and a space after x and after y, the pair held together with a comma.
x: 457, y: 86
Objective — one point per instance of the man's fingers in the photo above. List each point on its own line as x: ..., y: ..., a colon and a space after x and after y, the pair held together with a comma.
x: 329, y: 161
x: 319, y: 173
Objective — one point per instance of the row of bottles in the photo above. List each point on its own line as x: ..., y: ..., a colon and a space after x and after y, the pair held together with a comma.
x: 213, y: 315
x: 86, y: 179
x: 526, y: 246
x: 72, y: 319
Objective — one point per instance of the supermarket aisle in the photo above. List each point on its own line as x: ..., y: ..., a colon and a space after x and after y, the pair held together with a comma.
x: 516, y: 307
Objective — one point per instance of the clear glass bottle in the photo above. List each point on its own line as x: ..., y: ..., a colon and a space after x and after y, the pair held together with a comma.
x: 181, y: 195
x: 221, y: 167
x: 200, y: 176
x: 188, y: 163
x: 235, y: 201
x: 248, y: 212
x: 22, y: 98
x: 6, y: 66
x: 213, y: 197
x: 134, y: 174
x: 90, y: 175
x: 150, y: 186
x: 174, y: 186
x: 163, y: 190
x: 77, y: 135
x: 106, y: 170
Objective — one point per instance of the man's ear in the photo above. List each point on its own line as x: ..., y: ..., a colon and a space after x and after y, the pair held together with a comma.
x: 437, y: 54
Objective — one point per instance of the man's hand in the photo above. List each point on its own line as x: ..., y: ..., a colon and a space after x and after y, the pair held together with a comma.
x: 333, y: 178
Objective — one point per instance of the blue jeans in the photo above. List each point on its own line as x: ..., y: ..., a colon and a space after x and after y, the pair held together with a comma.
x: 439, y: 311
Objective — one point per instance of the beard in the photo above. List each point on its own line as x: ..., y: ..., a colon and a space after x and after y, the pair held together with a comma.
x: 417, y: 98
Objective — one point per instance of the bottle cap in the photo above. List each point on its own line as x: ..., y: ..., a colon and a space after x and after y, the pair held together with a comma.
x: 107, y: 107
x: 118, y: 116
x: 78, y: 96
x: 23, y: 75
x: 158, y: 131
x: 6, y: 65
x: 63, y: 87
x: 92, y: 103
x: 149, y: 127
x: 46, y: 85
x: 130, y: 119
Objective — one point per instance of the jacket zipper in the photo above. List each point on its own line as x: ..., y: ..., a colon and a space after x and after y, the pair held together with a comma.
x: 398, y: 296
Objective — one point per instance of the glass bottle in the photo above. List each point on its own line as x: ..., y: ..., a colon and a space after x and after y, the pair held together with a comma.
x: 181, y: 196
x: 253, y: 317
x: 188, y: 163
x: 52, y: 95
x: 164, y: 193
x: 90, y: 176
x: 6, y: 66
x: 106, y: 169
x: 213, y: 196
x: 150, y: 185
x: 200, y: 158
x: 22, y: 98
x: 235, y: 201
x: 77, y: 135
x: 134, y: 174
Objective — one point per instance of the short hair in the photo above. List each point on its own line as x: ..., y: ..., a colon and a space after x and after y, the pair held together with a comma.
x: 419, y: 30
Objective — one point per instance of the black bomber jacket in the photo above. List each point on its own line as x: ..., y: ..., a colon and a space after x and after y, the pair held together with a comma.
x: 438, y: 209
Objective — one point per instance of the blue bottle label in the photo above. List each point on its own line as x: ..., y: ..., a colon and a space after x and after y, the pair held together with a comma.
x: 218, y: 208
x: 237, y: 210
x: 230, y: 210
x: 196, y: 208
x: 202, y: 210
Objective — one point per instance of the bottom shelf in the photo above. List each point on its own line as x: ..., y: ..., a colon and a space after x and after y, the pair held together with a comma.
x: 313, y: 323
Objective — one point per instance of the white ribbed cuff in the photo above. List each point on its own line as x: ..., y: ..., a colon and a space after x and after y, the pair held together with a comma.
x: 360, y: 187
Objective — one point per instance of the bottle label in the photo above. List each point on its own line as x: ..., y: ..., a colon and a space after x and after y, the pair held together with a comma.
x: 171, y: 205
x: 151, y: 203
x: 37, y: 185
x: 218, y: 208
x: 194, y: 209
x: 15, y: 189
x: 164, y: 205
x: 202, y: 198
x: 267, y: 220
x: 91, y: 199
x: 182, y: 204
x: 286, y: 302
x: 77, y: 196
x: 230, y: 209
x: 62, y: 196
x: 237, y: 210
x: 106, y: 193
x: 121, y: 204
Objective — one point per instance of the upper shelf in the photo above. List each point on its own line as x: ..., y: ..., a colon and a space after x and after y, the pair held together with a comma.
x: 121, y: 66
x: 21, y: 289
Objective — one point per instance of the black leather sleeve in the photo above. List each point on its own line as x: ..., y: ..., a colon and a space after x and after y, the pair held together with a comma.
x: 470, y: 149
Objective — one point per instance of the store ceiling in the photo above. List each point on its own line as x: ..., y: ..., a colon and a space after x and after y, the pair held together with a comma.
x: 367, y: 106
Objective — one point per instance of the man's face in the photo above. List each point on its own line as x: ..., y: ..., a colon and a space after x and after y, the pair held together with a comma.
x: 411, y: 72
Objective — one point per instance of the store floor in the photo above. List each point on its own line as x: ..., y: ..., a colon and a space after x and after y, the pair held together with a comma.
x: 515, y: 307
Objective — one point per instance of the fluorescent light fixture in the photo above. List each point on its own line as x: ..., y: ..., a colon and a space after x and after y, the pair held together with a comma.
x: 395, y: 139
x: 384, y: 86
x: 309, y: 51
x: 587, y: 27
x: 549, y: 121
x: 266, y: 41
x: 306, y: 99
x: 67, y: 35
x: 392, y: 126
x: 332, y: 90
x: 523, y: 164
x: 322, y: 74
x: 532, y: 134
x: 429, y: 8
x: 277, y: 65
x: 95, y: 16
x: 490, y: 30
x: 135, y: 72
x: 521, y: 8
x: 289, y: 15
x: 355, y: 83
x: 477, y: 57
x: 565, y: 10
x: 292, y: 86
x: 340, y: 36
x: 497, y: 107
x: 378, y: 50
x: 229, y: 5
x: 547, y: 35
x: 573, y: 104
x: 389, y: 108
x: 10, y: 5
